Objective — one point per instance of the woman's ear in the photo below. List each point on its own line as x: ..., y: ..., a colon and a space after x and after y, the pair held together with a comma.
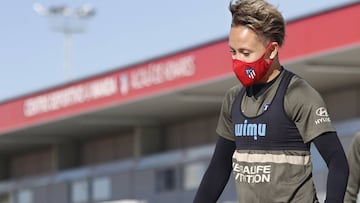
x: 274, y: 48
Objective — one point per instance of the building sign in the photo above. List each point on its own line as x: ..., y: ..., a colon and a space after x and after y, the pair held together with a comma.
x: 70, y: 96
x: 158, y: 73
x: 142, y: 77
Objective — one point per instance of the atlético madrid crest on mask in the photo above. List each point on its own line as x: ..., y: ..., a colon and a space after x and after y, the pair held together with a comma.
x: 250, y: 72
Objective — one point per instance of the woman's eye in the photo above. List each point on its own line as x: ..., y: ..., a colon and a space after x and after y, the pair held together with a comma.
x: 232, y: 52
x: 246, y: 53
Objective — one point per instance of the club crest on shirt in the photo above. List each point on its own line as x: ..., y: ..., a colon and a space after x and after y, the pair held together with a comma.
x: 266, y: 106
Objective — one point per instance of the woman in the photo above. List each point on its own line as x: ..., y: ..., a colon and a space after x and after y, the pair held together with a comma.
x: 268, y: 122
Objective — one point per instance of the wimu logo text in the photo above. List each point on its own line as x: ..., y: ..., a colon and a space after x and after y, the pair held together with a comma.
x: 254, y: 130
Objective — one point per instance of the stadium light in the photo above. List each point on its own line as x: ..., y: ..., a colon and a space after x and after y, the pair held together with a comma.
x: 67, y: 21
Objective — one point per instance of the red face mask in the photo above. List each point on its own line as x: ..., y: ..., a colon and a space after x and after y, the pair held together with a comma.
x: 252, y: 72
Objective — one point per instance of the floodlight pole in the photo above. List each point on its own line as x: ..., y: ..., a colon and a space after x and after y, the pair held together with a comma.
x: 68, y: 55
x: 67, y: 21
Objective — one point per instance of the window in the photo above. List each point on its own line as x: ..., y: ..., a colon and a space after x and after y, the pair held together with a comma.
x: 165, y: 180
x: 25, y: 196
x: 80, y: 191
x: 193, y: 174
x: 101, y: 189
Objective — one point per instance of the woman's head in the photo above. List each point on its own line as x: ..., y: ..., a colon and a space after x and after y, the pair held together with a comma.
x: 261, y: 17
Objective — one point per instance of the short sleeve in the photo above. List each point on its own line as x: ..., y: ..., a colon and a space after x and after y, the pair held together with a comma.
x: 224, y: 127
x: 305, y: 106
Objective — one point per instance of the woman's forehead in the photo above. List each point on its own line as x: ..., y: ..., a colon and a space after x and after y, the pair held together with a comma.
x: 244, y: 37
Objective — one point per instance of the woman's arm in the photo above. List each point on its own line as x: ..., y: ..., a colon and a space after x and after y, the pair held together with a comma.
x: 217, y: 173
x: 331, y: 150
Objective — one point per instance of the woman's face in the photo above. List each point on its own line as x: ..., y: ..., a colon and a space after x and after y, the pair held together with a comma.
x: 245, y: 45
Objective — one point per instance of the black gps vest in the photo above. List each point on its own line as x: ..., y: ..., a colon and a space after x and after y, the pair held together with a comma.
x: 272, y: 129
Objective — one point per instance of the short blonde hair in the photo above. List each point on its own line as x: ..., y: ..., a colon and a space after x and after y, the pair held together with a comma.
x: 260, y: 16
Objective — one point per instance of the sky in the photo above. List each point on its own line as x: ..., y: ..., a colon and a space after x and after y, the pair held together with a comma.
x: 121, y: 33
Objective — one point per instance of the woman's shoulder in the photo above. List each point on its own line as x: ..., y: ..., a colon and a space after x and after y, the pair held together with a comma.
x: 300, y: 90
